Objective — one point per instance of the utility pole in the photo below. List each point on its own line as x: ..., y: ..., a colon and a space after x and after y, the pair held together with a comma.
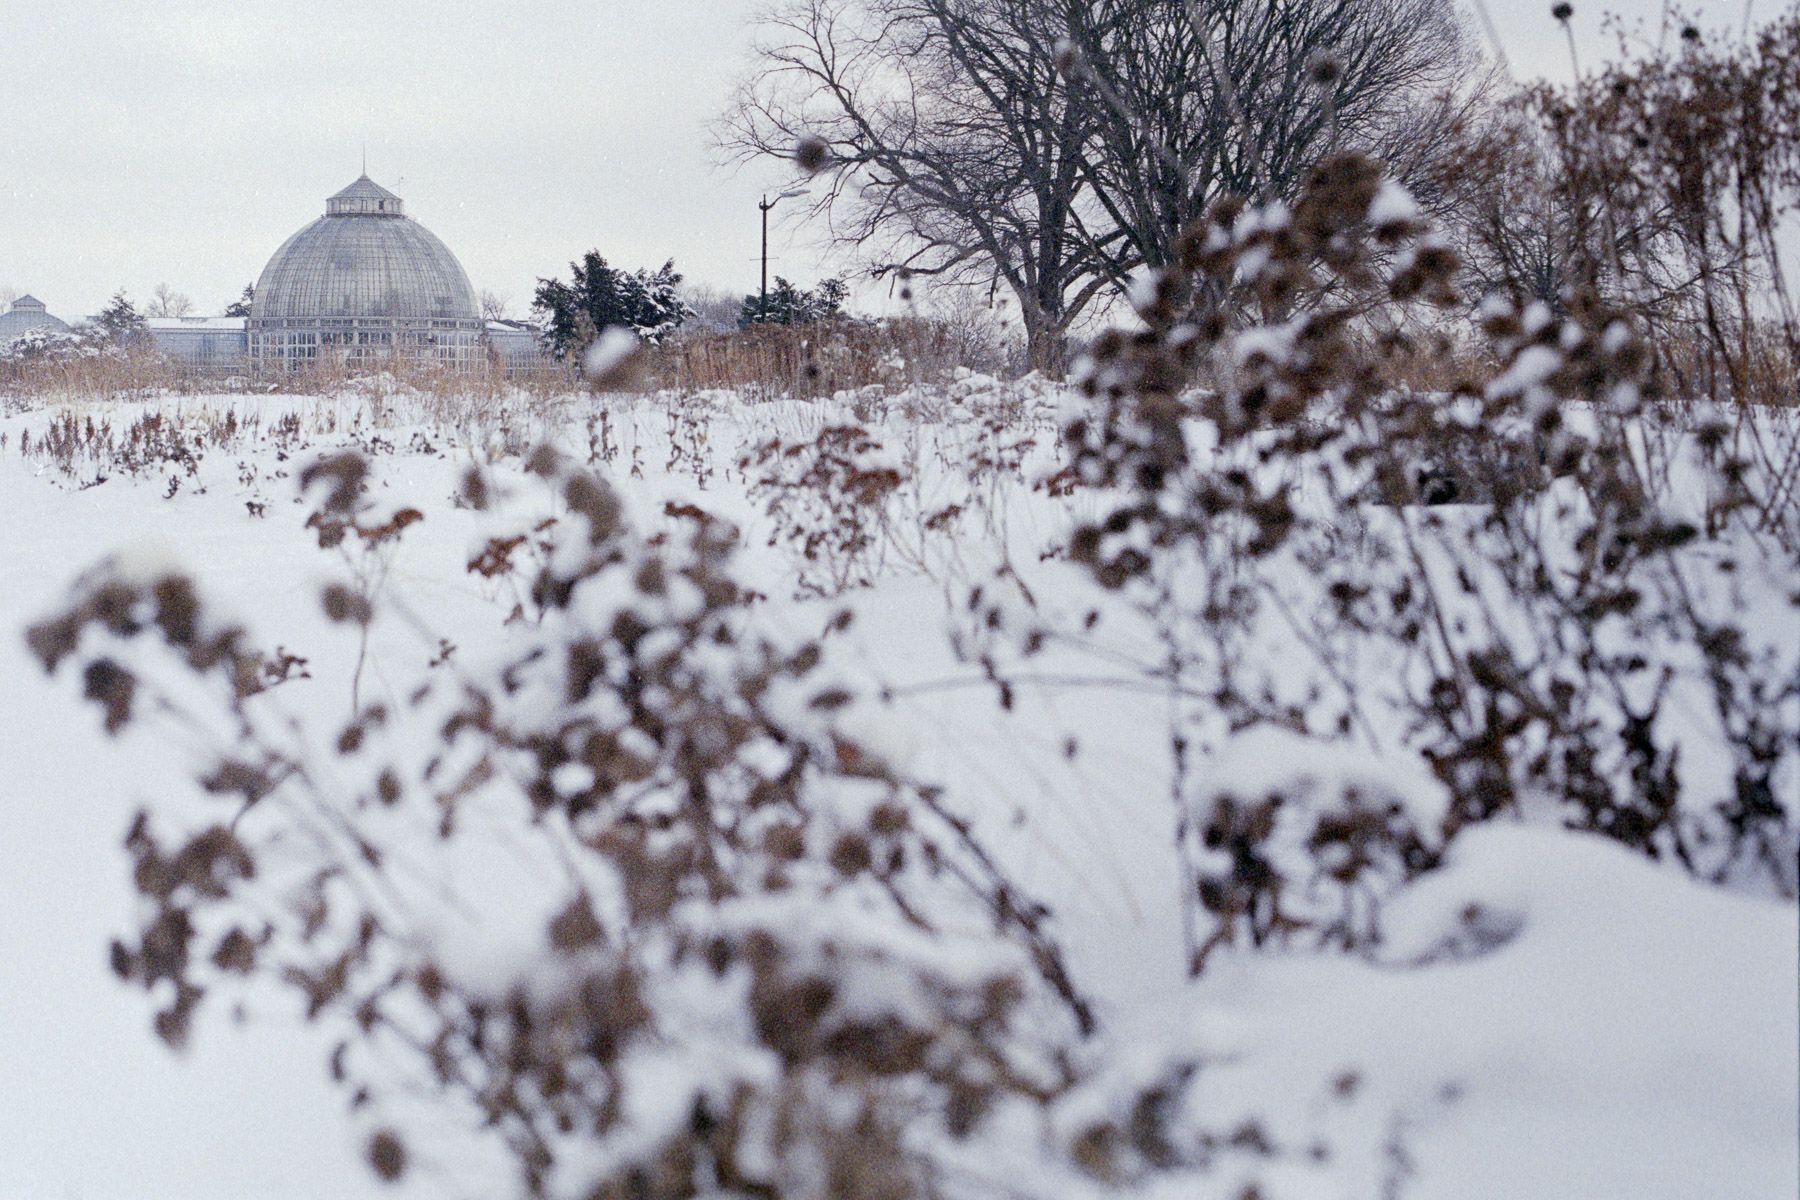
x: 765, y: 204
x: 762, y: 305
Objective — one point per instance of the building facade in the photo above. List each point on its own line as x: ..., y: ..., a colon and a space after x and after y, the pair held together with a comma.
x: 204, y: 345
x: 363, y: 283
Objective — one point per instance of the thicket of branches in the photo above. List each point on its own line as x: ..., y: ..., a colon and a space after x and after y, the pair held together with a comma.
x: 1054, y: 150
x: 1674, y: 180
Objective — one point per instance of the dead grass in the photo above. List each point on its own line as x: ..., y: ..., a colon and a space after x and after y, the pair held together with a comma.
x: 811, y: 360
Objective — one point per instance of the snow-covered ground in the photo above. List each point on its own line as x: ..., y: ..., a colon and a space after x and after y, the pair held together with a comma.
x: 1632, y: 1032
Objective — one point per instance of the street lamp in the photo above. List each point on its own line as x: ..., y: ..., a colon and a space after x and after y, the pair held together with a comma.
x: 765, y: 204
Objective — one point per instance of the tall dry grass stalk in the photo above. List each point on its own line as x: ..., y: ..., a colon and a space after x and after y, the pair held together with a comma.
x: 815, y: 360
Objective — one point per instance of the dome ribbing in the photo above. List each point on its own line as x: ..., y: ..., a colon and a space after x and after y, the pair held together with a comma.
x: 363, y: 280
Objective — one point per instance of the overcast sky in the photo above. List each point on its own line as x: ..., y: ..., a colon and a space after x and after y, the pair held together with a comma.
x: 181, y: 141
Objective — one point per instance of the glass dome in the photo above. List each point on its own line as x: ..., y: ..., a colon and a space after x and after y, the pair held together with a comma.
x: 27, y: 313
x: 363, y: 281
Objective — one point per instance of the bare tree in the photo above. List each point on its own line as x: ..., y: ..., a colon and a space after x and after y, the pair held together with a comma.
x: 1512, y: 237
x: 1054, y: 147
x: 166, y: 302
x: 949, y: 141
x: 1557, y: 198
x: 493, y: 306
x: 1198, y: 99
x: 714, y: 308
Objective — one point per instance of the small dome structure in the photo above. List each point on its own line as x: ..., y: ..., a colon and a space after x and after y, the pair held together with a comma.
x: 363, y: 281
x: 27, y: 313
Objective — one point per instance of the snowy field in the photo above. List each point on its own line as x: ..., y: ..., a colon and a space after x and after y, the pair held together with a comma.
x: 1627, y: 1030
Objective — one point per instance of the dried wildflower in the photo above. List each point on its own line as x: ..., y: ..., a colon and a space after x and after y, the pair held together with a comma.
x: 1068, y: 61
x: 344, y: 604
x: 344, y: 474
x: 576, y: 928
x: 812, y: 155
x: 387, y: 1156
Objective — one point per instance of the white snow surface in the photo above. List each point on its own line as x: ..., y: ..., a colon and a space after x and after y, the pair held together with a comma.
x: 1617, y: 1030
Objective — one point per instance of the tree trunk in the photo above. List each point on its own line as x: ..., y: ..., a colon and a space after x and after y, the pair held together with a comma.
x: 1046, y: 348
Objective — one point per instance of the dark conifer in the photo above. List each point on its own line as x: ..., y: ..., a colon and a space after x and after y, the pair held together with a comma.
x: 602, y: 297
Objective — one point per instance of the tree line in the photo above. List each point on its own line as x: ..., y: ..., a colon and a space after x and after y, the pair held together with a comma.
x: 654, y: 304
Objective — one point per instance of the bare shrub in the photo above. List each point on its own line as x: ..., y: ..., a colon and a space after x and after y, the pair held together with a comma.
x: 1556, y: 644
x: 720, y: 857
x: 1662, y: 184
x: 827, y: 497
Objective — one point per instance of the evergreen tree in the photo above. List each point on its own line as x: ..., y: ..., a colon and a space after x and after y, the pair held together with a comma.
x: 829, y: 297
x: 120, y: 326
x: 791, y: 305
x: 602, y: 297
x: 241, y: 306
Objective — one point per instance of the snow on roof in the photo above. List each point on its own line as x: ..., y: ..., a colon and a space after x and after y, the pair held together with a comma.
x: 223, y: 324
x: 25, y: 315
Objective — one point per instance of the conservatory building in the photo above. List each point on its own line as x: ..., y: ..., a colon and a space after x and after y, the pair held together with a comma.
x: 27, y: 313
x: 363, y: 282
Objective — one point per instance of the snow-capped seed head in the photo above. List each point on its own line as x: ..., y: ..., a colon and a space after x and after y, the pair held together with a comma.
x: 1393, y: 212
x: 1068, y: 59
x: 606, y: 361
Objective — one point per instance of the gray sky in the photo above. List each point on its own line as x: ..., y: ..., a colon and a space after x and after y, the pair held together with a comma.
x: 180, y: 141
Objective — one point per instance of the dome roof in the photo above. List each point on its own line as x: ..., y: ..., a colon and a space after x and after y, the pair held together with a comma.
x: 363, y: 259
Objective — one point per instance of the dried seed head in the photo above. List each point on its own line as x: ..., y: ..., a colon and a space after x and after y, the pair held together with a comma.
x: 611, y: 361
x: 851, y: 855
x: 1068, y: 60
x: 387, y: 1156
x: 812, y: 155
x: 342, y: 605
x: 1562, y: 12
x: 785, y: 842
x: 345, y: 474
x: 474, y: 491
x: 888, y: 819
x: 575, y: 928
